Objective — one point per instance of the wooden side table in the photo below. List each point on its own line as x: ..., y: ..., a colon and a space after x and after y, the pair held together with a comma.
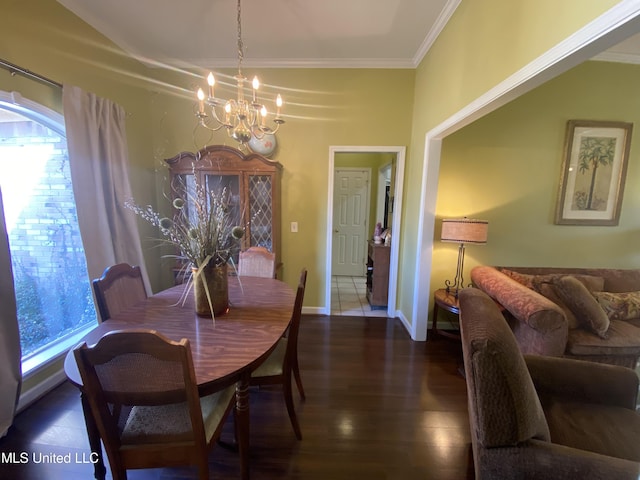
x: 448, y: 302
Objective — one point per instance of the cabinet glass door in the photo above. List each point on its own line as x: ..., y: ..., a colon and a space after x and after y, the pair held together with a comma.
x: 218, y: 183
x: 261, y: 215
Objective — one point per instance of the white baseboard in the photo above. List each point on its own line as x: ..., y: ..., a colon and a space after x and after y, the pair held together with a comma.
x: 315, y: 311
x: 33, y: 394
x: 404, y: 321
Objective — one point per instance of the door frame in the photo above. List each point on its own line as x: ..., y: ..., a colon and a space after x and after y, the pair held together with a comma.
x: 400, y: 152
x: 367, y: 210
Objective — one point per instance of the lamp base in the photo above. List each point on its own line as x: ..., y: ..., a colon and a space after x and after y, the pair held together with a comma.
x: 458, y: 282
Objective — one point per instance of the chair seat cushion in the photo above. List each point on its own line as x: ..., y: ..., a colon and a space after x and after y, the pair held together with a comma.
x: 272, y: 366
x: 623, y: 338
x: 171, y: 423
x: 607, y: 430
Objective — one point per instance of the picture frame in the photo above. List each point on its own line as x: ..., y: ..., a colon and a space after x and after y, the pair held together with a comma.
x: 594, y: 168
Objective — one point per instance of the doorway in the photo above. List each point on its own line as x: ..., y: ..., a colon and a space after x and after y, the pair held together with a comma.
x: 393, y: 211
x: 351, y: 200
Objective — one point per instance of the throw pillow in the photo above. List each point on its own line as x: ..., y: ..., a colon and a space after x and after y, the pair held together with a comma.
x: 583, y: 304
x: 548, y: 290
x: 619, y: 306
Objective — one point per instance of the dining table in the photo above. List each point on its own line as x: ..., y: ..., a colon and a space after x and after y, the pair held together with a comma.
x: 225, y: 349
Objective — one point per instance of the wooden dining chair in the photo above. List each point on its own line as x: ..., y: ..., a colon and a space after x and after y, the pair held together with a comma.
x: 283, y: 362
x: 257, y: 262
x: 143, y: 396
x: 119, y: 287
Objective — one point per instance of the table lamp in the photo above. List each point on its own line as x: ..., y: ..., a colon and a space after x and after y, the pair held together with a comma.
x: 462, y: 231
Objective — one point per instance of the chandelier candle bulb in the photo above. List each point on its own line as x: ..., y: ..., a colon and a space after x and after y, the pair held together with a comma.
x: 211, y: 81
x: 256, y: 85
x: 263, y: 113
x: 200, y: 101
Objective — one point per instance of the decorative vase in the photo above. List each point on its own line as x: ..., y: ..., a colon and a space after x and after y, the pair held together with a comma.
x: 215, y: 280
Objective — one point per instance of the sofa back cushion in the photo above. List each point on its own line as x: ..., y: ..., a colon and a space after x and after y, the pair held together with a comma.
x: 615, y: 279
x: 594, y: 283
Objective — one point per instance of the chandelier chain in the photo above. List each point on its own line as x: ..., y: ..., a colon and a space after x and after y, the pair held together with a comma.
x: 240, y: 43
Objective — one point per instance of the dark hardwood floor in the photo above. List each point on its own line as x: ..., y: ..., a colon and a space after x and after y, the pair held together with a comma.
x: 379, y: 407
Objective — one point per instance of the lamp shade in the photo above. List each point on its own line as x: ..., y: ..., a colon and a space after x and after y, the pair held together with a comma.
x: 464, y: 230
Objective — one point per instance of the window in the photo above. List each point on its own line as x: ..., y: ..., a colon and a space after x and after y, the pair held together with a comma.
x: 53, y: 292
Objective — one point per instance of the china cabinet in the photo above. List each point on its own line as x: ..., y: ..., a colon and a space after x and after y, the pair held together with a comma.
x: 252, y: 182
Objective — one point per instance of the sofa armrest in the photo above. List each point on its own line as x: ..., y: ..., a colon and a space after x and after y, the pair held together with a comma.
x: 536, y: 311
x: 543, y: 328
x: 539, y: 459
x: 588, y: 381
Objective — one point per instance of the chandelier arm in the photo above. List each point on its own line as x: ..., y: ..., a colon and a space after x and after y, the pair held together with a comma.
x: 207, y: 124
x: 274, y: 130
x: 214, y: 113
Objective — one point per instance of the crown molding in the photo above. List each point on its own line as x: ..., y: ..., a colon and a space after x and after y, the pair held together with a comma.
x: 217, y: 63
x: 442, y: 20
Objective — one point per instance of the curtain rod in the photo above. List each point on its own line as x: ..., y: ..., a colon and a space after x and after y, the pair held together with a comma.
x: 27, y: 73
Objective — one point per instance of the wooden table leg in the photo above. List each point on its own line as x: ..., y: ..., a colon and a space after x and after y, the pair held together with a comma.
x: 99, y: 470
x: 242, y: 423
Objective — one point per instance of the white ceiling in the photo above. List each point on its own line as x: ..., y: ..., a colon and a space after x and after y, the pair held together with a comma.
x: 276, y: 33
x: 627, y: 51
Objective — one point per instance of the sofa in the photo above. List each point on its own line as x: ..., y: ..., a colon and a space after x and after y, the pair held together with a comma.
x: 537, y: 417
x: 583, y: 313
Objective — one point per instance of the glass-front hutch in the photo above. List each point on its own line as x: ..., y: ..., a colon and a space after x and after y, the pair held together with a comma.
x: 252, y: 182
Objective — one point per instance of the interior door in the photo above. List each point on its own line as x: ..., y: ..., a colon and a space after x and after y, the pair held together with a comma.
x: 350, y: 213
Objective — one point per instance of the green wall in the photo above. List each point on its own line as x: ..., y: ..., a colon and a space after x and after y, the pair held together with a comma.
x: 506, y: 169
x: 323, y: 108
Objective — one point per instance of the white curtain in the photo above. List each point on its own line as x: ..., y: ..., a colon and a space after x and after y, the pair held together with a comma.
x: 10, y: 353
x: 99, y: 164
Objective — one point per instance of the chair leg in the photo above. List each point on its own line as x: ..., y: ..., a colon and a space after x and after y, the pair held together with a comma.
x: 288, y: 400
x: 233, y: 446
x: 203, y: 470
x: 118, y: 473
x: 296, y: 374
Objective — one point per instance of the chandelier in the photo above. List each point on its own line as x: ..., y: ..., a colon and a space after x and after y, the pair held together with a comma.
x: 242, y: 118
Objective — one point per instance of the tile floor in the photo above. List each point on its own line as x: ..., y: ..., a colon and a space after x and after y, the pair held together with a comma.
x: 349, y: 298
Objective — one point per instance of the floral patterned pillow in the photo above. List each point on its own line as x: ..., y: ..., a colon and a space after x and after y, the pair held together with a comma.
x: 619, y: 306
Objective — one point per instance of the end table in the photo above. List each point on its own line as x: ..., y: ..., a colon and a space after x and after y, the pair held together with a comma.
x: 448, y: 302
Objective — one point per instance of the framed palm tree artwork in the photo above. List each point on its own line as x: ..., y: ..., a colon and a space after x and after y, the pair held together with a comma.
x: 593, y: 172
